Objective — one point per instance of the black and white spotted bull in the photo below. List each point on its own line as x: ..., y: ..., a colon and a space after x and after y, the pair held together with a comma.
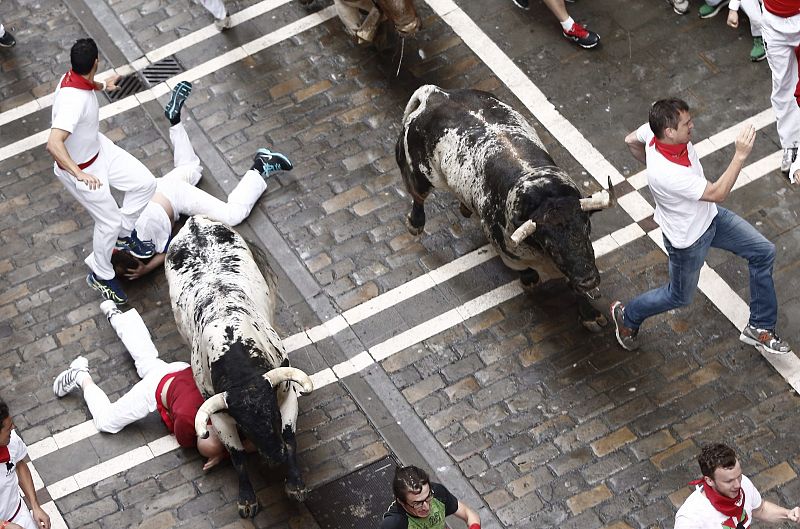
x: 223, y: 298
x: 491, y: 158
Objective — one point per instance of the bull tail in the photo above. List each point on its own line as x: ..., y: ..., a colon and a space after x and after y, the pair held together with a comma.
x: 417, y: 102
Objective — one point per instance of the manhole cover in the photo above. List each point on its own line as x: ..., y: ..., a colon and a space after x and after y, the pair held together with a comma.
x: 356, y: 501
x: 160, y: 71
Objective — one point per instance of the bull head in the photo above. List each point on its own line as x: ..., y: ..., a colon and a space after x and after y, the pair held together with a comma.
x: 601, y: 200
x: 219, y: 401
x: 402, y: 14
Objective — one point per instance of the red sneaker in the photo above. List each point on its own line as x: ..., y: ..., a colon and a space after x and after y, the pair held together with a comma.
x: 582, y: 36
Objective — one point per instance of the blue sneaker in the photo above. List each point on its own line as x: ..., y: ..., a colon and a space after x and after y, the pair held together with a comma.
x: 179, y: 95
x: 266, y: 161
x: 108, y: 288
x: 135, y: 247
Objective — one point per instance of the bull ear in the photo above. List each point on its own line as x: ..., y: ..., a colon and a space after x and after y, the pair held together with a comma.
x: 209, y: 407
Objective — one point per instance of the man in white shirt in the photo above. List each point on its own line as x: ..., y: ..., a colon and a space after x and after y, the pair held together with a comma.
x: 177, y: 195
x: 89, y: 165
x: 691, y: 222
x: 15, y: 475
x: 725, y: 497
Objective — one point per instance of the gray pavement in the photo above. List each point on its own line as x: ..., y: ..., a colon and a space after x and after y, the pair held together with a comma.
x: 518, y: 410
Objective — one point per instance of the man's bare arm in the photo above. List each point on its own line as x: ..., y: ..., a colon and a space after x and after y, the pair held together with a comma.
x: 26, y: 484
x: 57, y: 149
x: 718, y: 191
x: 636, y: 147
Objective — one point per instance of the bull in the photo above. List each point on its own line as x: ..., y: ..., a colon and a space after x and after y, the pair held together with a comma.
x: 223, y: 298
x: 491, y: 158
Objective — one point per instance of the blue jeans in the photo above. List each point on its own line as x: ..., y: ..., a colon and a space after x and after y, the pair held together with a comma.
x: 728, y: 231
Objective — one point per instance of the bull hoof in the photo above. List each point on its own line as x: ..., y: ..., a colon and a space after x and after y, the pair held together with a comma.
x: 297, y: 494
x: 465, y: 211
x: 413, y: 230
x: 596, y: 325
x: 529, y: 279
x: 248, y: 509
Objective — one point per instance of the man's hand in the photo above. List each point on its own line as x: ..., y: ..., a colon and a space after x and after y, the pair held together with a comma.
x: 135, y: 273
x: 733, y: 18
x: 794, y: 514
x: 744, y: 142
x: 214, y: 461
x: 41, y: 517
x: 111, y: 82
x: 91, y: 181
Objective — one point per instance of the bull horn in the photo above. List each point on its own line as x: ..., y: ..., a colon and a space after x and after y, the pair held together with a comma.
x: 601, y: 200
x: 282, y: 374
x: 523, y: 232
x: 211, y: 406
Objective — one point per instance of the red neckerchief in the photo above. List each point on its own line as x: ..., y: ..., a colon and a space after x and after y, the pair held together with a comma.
x: 5, y: 455
x: 73, y: 80
x: 678, y: 153
x: 797, y: 88
x: 733, y: 508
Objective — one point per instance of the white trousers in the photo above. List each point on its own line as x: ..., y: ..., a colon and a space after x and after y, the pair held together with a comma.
x: 751, y: 8
x: 2, y: 30
x: 215, y: 7
x: 116, y: 168
x: 782, y: 36
x: 140, y: 400
x: 24, y: 517
x: 178, y: 186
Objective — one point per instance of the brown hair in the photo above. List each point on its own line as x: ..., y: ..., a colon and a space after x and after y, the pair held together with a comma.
x: 408, y: 479
x: 665, y: 114
x: 714, y: 456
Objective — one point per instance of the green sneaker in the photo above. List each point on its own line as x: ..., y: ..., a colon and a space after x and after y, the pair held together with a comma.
x: 759, y: 52
x: 708, y: 11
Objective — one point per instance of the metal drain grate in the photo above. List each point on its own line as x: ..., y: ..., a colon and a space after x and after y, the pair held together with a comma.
x: 160, y: 71
x: 356, y: 501
x: 128, y: 85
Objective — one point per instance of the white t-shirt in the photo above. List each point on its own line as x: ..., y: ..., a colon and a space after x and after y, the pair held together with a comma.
x: 154, y: 225
x: 697, y: 512
x: 9, y: 486
x: 676, y: 189
x: 78, y: 112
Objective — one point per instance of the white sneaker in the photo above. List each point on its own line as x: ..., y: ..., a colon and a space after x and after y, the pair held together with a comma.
x: 225, y: 23
x: 794, y: 169
x: 681, y: 7
x: 110, y: 309
x: 789, y: 156
x: 67, y: 380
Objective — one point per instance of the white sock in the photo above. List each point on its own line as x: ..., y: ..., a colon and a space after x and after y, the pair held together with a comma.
x: 567, y: 24
x: 80, y: 377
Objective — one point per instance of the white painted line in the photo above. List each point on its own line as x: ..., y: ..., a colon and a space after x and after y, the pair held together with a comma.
x: 209, y: 67
x: 56, y: 520
x: 162, y: 445
x: 168, y: 49
x: 75, y: 434
x: 358, y: 363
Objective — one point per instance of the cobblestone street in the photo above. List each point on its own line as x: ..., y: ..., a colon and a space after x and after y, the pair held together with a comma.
x: 424, y: 348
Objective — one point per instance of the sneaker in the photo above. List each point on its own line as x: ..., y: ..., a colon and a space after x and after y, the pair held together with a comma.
x: 766, y: 339
x: 108, y: 288
x: 266, y: 161
x: 708, y: 11
x: 581, y: 36
x: 759, y: 52
x: 625, y: 335
x: 794, y: 172
x: 7, y: 40
x: 681, y: 7
x: 67, y: 380
x: 788, y: 157
x: 522, y: 4
x: 223, y: 23
x: 109, y: 308
x: 136, y: 247
x: 179, y: 94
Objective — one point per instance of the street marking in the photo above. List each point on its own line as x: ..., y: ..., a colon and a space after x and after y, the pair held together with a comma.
x: 286, y: 32
x: 150, y: 57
